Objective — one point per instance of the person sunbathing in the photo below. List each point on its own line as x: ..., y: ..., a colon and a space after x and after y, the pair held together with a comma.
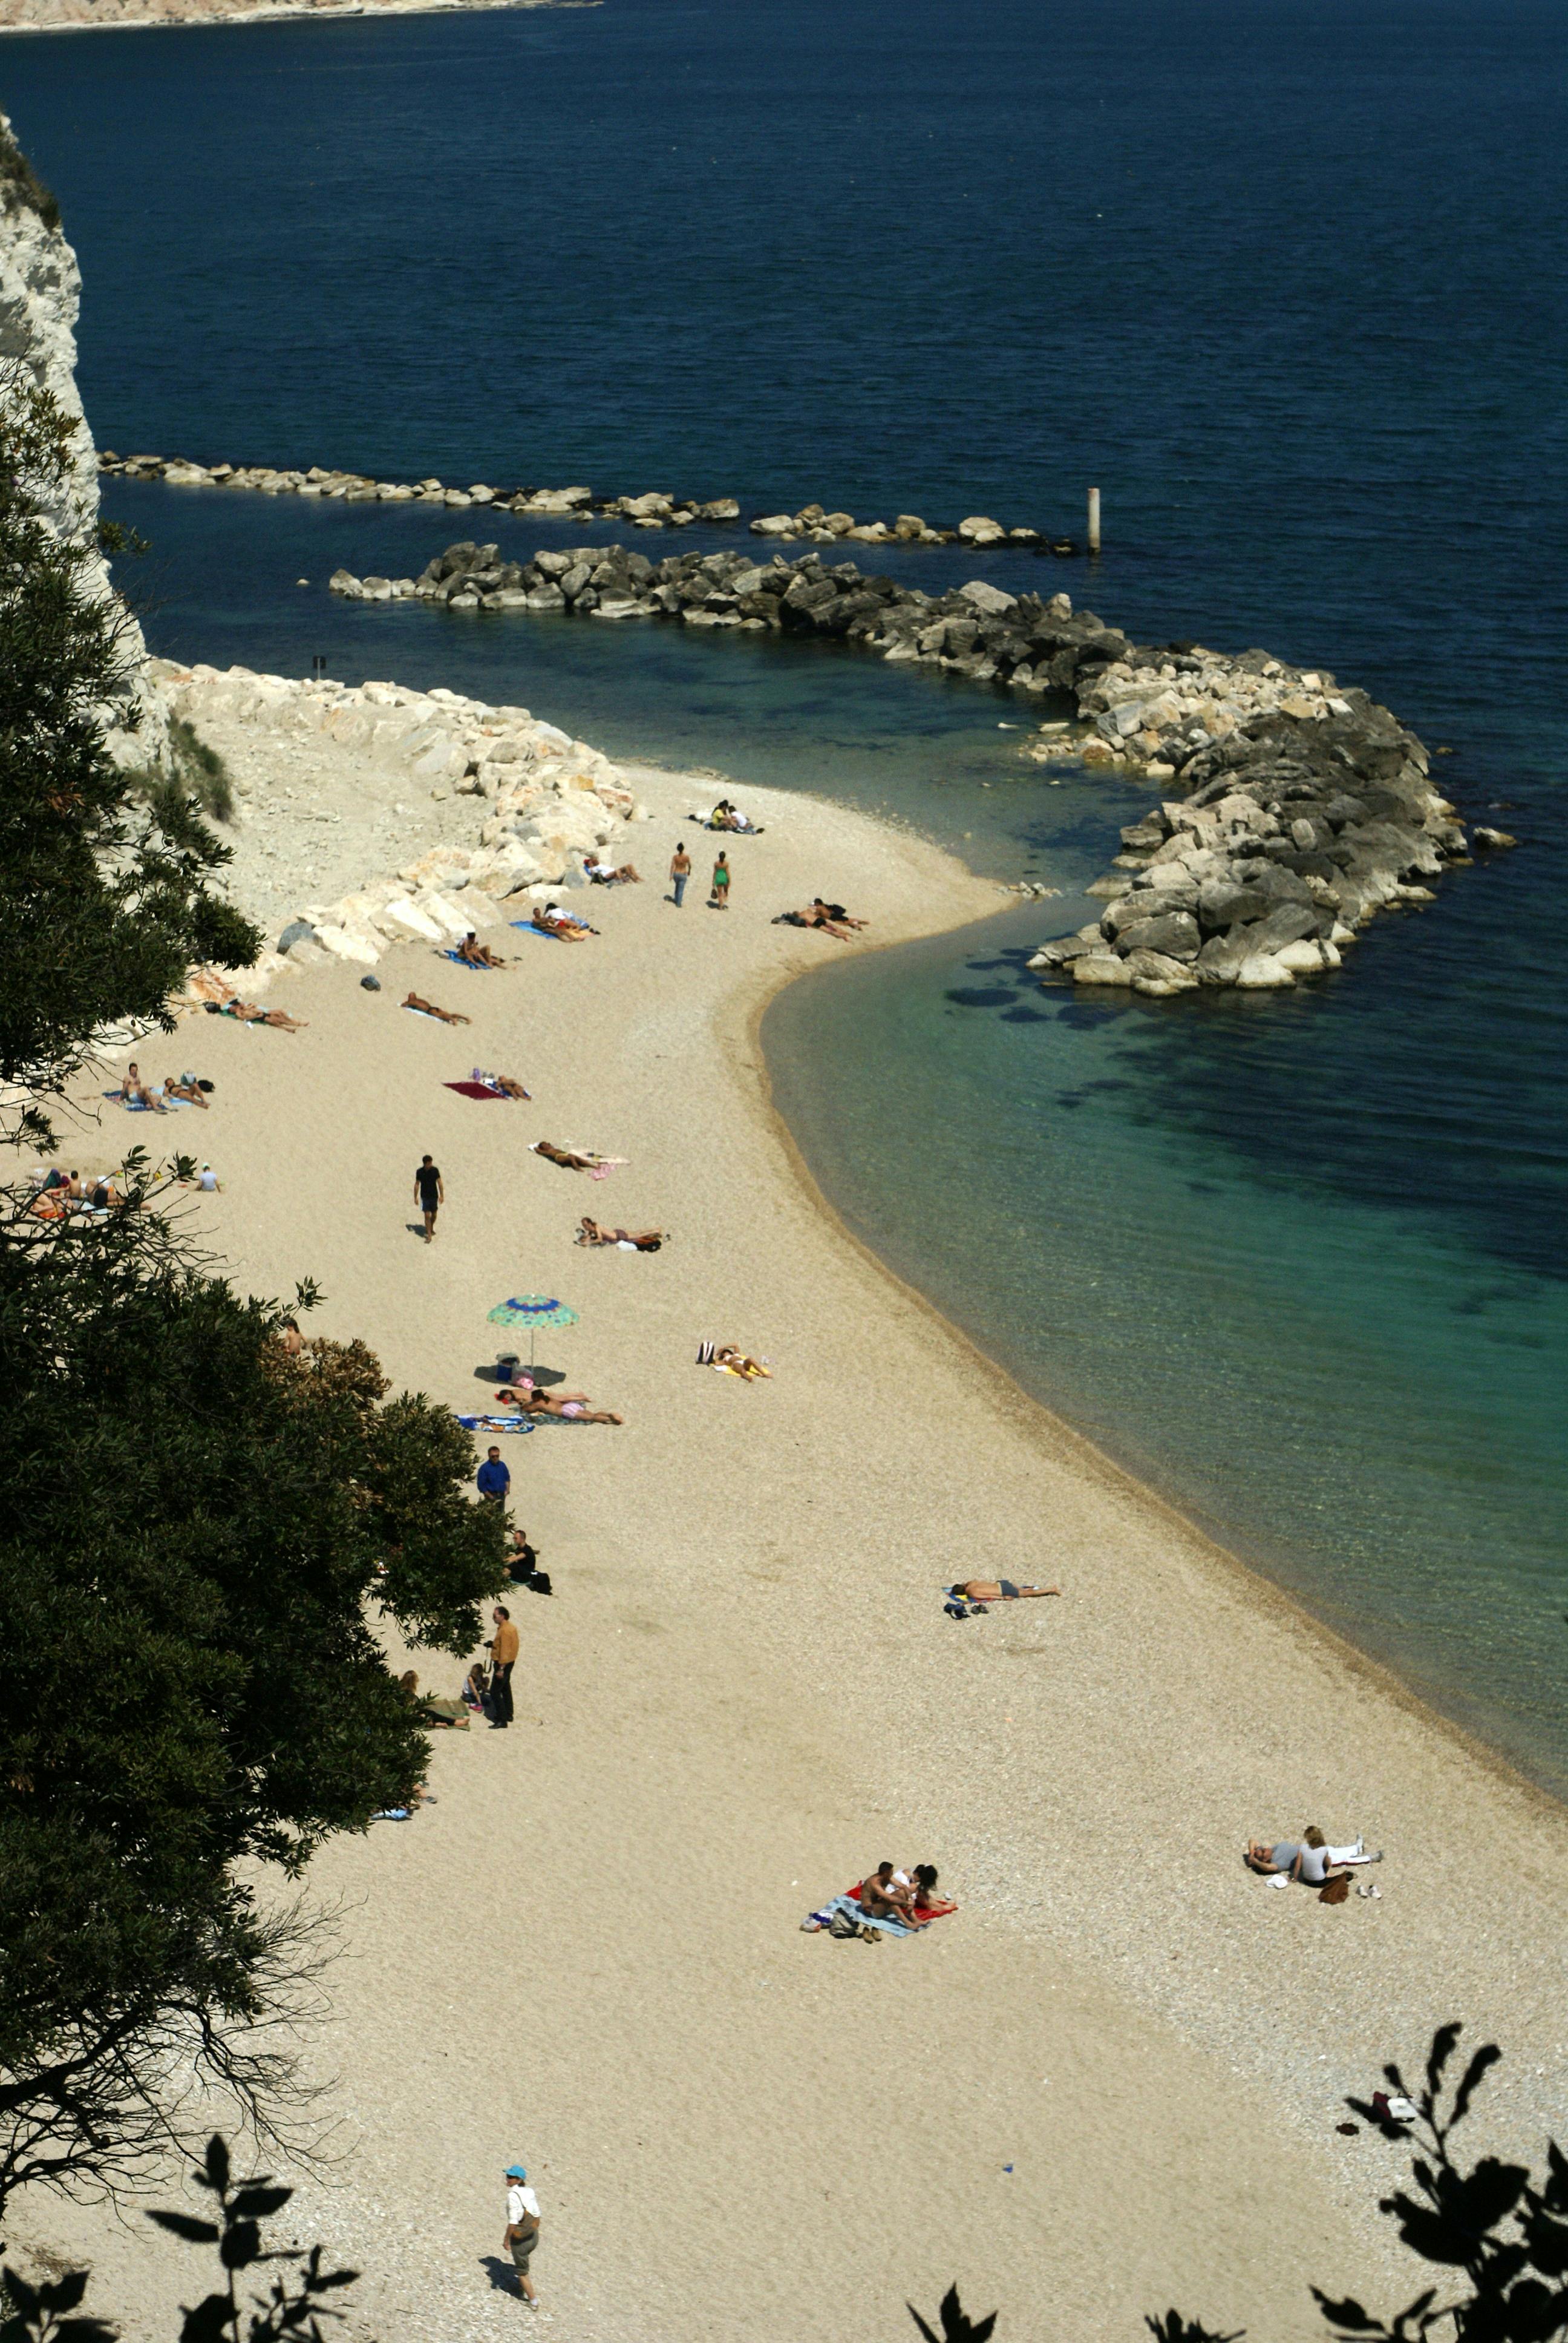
x: 573, y: 1406
x: 185, y: 1088
x: 608, y: 874
x: 812, y: 918
x: 249, y: 1015
x: 503, y: 1084
x: 570, y: 1159
x: 564, y: 924
x: 1310, y: 1859
x: 835, y: 911
x: 477, y: 954
x: 428, y: 1009
x: 646, y: 1239
x: 736, y: 1362
x: 996, y: 1590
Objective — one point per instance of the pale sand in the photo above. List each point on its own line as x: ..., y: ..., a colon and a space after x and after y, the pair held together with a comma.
x: 589, y: 1954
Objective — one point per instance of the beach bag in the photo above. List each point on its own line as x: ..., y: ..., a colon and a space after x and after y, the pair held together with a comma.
x: 539, y: 1582
x: 843, y: 1928
x: 1334, y: 1891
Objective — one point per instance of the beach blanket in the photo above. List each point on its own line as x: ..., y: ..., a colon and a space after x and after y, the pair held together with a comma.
x: 421, y: 1012
x: 852, y: 1911
x: 494, y: 1424
x: 478, y: 966
x: 474, y: 1090
x: 140, y: 1106
x: 527, y: 927
x: 926, y: 1911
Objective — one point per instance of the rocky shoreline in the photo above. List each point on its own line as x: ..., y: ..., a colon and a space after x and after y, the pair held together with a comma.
x: 134, y: 15
x: 652, y: 509
x: 1296, y: 810
x: 543, y: 803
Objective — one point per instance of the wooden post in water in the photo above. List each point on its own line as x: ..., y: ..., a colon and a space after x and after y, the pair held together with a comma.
x: 1094, y: 520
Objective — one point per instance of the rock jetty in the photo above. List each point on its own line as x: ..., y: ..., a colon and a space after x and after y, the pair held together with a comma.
x: 544, y: 802
x: 1295, y: 809
x: 653, y: 510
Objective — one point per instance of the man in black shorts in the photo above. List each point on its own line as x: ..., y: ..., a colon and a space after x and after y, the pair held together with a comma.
x: 429, y: 1195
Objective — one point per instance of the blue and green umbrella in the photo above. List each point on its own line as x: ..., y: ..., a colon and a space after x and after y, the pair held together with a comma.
x: 532, y: 1311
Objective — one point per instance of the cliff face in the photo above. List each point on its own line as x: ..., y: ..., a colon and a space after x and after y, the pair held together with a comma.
x: 96, y: 15
x: 40, y: 297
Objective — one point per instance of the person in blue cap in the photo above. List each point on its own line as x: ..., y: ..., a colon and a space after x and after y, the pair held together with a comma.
x: 522, y: 2234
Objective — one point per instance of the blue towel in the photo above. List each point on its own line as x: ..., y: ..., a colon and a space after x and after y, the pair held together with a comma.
x: 526, y: 927
x: 494, y: 1424
x: 466, y: 963
x: 851, y: 1910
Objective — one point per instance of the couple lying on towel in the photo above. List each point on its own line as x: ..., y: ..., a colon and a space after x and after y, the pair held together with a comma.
x: 832, y: 918
x: 639, y: 1240
x: 554, y: 922
x: 571, y: 1406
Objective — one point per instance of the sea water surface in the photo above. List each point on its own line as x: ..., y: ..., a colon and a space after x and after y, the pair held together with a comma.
x: 1287, y: 282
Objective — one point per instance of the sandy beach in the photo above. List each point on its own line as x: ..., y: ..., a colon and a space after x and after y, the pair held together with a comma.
x: 1111, y: 2081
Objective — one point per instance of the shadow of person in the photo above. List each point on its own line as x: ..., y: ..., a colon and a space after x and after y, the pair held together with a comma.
x: 503, y: 2277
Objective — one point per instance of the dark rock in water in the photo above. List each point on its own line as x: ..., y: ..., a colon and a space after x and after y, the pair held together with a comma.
x: 1174, y: 933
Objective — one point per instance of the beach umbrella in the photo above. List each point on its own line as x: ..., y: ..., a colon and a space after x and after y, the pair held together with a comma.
x: 532, y: 1311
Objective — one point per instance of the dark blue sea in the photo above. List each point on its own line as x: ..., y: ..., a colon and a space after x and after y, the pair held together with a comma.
x: 1286, y: 279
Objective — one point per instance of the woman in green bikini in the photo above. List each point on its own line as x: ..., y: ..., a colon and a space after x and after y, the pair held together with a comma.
x: 720, y: 895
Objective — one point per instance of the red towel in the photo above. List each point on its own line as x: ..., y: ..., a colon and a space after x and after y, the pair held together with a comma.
x: 922, y: 1911
x: 472, y: 1090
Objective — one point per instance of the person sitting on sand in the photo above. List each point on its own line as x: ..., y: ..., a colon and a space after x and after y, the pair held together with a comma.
x: 477, y: 954
x: 570, y: 1159
x: 134, y: 1091
x: 504, y: 1085
x: 428, y: 1009
x: 924, y: 1893
x: 1310, y: 1859
x: 835, y: 911
x: 249, y: 1015
x: 996, y: 1590
x: 610, y: 874
x: 644, y: 1239
x: 572, y: 1406
x: 564, y: 924
x: 886, y: 1895
x: 476, y: 1690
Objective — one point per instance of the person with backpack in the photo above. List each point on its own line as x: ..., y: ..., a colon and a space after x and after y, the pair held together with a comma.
x: 521, y: 2236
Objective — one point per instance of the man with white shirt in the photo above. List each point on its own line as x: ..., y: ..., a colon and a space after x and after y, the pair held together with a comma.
x: 522, y: 2229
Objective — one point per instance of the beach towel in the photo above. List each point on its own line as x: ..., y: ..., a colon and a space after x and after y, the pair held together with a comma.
x: 421, y: 1012
x: 140, y: 1106
x: 474, y: 1090
x: 926, y: 1911
x: 494, y: 1424
x: 852, y: 1911
x: 527, y: 927
x: 476, y: 965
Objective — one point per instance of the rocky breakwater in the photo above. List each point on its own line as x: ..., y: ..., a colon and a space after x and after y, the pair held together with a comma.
x: 542, y: 801
x: 1303, y: 811
x: 651, y: 509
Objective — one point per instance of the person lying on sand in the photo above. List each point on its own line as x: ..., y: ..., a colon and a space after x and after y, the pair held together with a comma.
x: 731, y: 1362
x: 813, y: 918
x: 503, y: 1084
x: 477, y: 954
x: 608, y: 874
x: 1310, y: 1859
x: 428, y: 1009
x: 646, y: 1239
x: 996, y: 1590
x: 564, y: 924
x: 570, y: 1158
x: 573, y: 1405
x: 185, y: 1088
x: 835, y: 911
x: 249, y: 1015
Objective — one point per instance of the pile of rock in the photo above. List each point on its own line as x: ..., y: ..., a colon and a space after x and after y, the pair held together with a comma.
x: 547, y: 802
x: 1300, y: 826
x: 653, y: 510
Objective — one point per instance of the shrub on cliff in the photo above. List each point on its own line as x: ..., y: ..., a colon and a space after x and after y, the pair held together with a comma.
x: 105, y: 891
x: 197, y: 1531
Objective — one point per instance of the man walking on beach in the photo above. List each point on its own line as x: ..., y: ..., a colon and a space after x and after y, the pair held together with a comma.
x: 522, y: 2232
x: 679, y: 872
x: 493, y: 1479
x: 503, y: 1655
x: 429, y: 1195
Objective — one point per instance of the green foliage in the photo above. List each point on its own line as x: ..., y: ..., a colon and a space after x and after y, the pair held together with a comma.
x: 195, y: 1531
x: 106, y: 896
x: 219, y: 2317
x: 20, y: 185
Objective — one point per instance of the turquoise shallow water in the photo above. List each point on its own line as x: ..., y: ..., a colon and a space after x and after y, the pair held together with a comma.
x: 1290, y: 285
